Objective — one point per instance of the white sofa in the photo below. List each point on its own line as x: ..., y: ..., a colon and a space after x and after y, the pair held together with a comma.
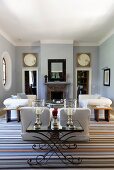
x: 28, y: 116
x: 90, y: 101
x: 93, y: 100
x: 82, y: 115
x: 15, y: 102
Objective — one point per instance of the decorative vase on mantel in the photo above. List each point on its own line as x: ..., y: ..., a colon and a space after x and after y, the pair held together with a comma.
x: 46, y: 78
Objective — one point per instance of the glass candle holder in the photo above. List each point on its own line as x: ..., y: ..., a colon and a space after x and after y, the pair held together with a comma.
x: 70, y: 122
x: 38, y: 121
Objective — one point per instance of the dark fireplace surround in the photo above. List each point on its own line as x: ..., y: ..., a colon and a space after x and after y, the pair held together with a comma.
x: 57, y: 87
x: 56, y: 90
x: 57, y: 95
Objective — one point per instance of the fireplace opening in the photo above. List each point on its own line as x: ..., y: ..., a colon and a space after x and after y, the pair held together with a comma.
x: 56, y: 95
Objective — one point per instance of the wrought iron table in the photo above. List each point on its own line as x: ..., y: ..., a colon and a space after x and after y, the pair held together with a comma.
x: 54, y: 143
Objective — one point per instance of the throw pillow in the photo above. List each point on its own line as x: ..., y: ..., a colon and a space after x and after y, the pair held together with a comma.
x: 14, y: 97
x: 21, y: 95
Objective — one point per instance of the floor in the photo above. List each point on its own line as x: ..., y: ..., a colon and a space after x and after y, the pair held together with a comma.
x: 99, y: 137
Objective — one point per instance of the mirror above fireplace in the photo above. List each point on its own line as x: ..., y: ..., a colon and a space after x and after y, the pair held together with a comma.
x: 56, y: 70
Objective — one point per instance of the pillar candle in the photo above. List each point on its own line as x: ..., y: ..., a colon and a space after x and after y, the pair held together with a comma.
x: 38, y: 111
x: 69, y: 111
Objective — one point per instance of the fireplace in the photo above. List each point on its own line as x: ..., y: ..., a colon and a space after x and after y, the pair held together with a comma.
x: 57, y: 90
x: 57, y: 95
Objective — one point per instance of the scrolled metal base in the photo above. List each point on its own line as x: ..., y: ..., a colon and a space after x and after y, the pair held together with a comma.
x: 54, y: 150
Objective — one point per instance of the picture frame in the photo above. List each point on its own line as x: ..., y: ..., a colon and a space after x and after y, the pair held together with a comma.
x: 106, y: 77
x: 83, y: 59
x: 56, y: 70
x: 30, y: 59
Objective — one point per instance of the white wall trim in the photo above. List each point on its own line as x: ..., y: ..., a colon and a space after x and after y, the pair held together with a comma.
x: 56, y: 41
x: 7, y: 37
x: 32, y: 44
x: 106, y: 37
x: 78, y: 44
x: 39, y: 42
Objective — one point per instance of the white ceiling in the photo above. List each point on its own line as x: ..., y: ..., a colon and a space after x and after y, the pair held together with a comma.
x: 27, y: 22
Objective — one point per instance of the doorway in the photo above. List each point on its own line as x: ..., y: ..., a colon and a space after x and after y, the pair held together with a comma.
x: 83, y: 81
x: 30, y: 81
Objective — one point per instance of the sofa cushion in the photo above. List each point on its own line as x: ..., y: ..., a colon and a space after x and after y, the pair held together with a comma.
x: 85, y: 100
x: 95, y: 102
x: 14, y: 103
x: 87, y: 96
x: 14, y: 96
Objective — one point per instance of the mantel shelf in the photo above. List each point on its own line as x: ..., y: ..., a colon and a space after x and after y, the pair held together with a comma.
x: 57, y: 83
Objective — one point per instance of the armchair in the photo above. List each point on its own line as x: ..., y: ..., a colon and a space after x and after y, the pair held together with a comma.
x: 28, y: 116
x: 83, y: 116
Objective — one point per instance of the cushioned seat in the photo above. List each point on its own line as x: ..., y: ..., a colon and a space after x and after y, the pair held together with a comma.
x: 82, y: 115
x: 14, y: 103
x: 28, y: 116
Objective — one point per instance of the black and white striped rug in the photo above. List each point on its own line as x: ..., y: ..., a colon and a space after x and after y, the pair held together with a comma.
x: 97, y: 153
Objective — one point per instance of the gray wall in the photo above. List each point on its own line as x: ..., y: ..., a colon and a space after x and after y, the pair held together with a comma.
x: 93, y: 50
x: 106, y: 59
x: 8, y: 47
x: 45, y: 52
x: 101, y: 57
x: 56, y: 51
x: 19, y: 63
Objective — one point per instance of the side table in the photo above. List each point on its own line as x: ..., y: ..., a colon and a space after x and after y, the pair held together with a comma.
x: 106, y: 112
x: 8, y: 114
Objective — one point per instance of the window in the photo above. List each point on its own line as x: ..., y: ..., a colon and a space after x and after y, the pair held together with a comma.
x: 4, y: 71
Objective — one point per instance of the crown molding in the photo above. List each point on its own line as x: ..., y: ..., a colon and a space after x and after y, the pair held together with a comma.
x: 73, y: 42
x: 56, y: 41
x: 85, y: 44
x: 32, y: 44
x: 106, y: 37
x: 7, y: 37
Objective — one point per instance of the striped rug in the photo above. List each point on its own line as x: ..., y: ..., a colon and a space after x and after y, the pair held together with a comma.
x: 97, y: 153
